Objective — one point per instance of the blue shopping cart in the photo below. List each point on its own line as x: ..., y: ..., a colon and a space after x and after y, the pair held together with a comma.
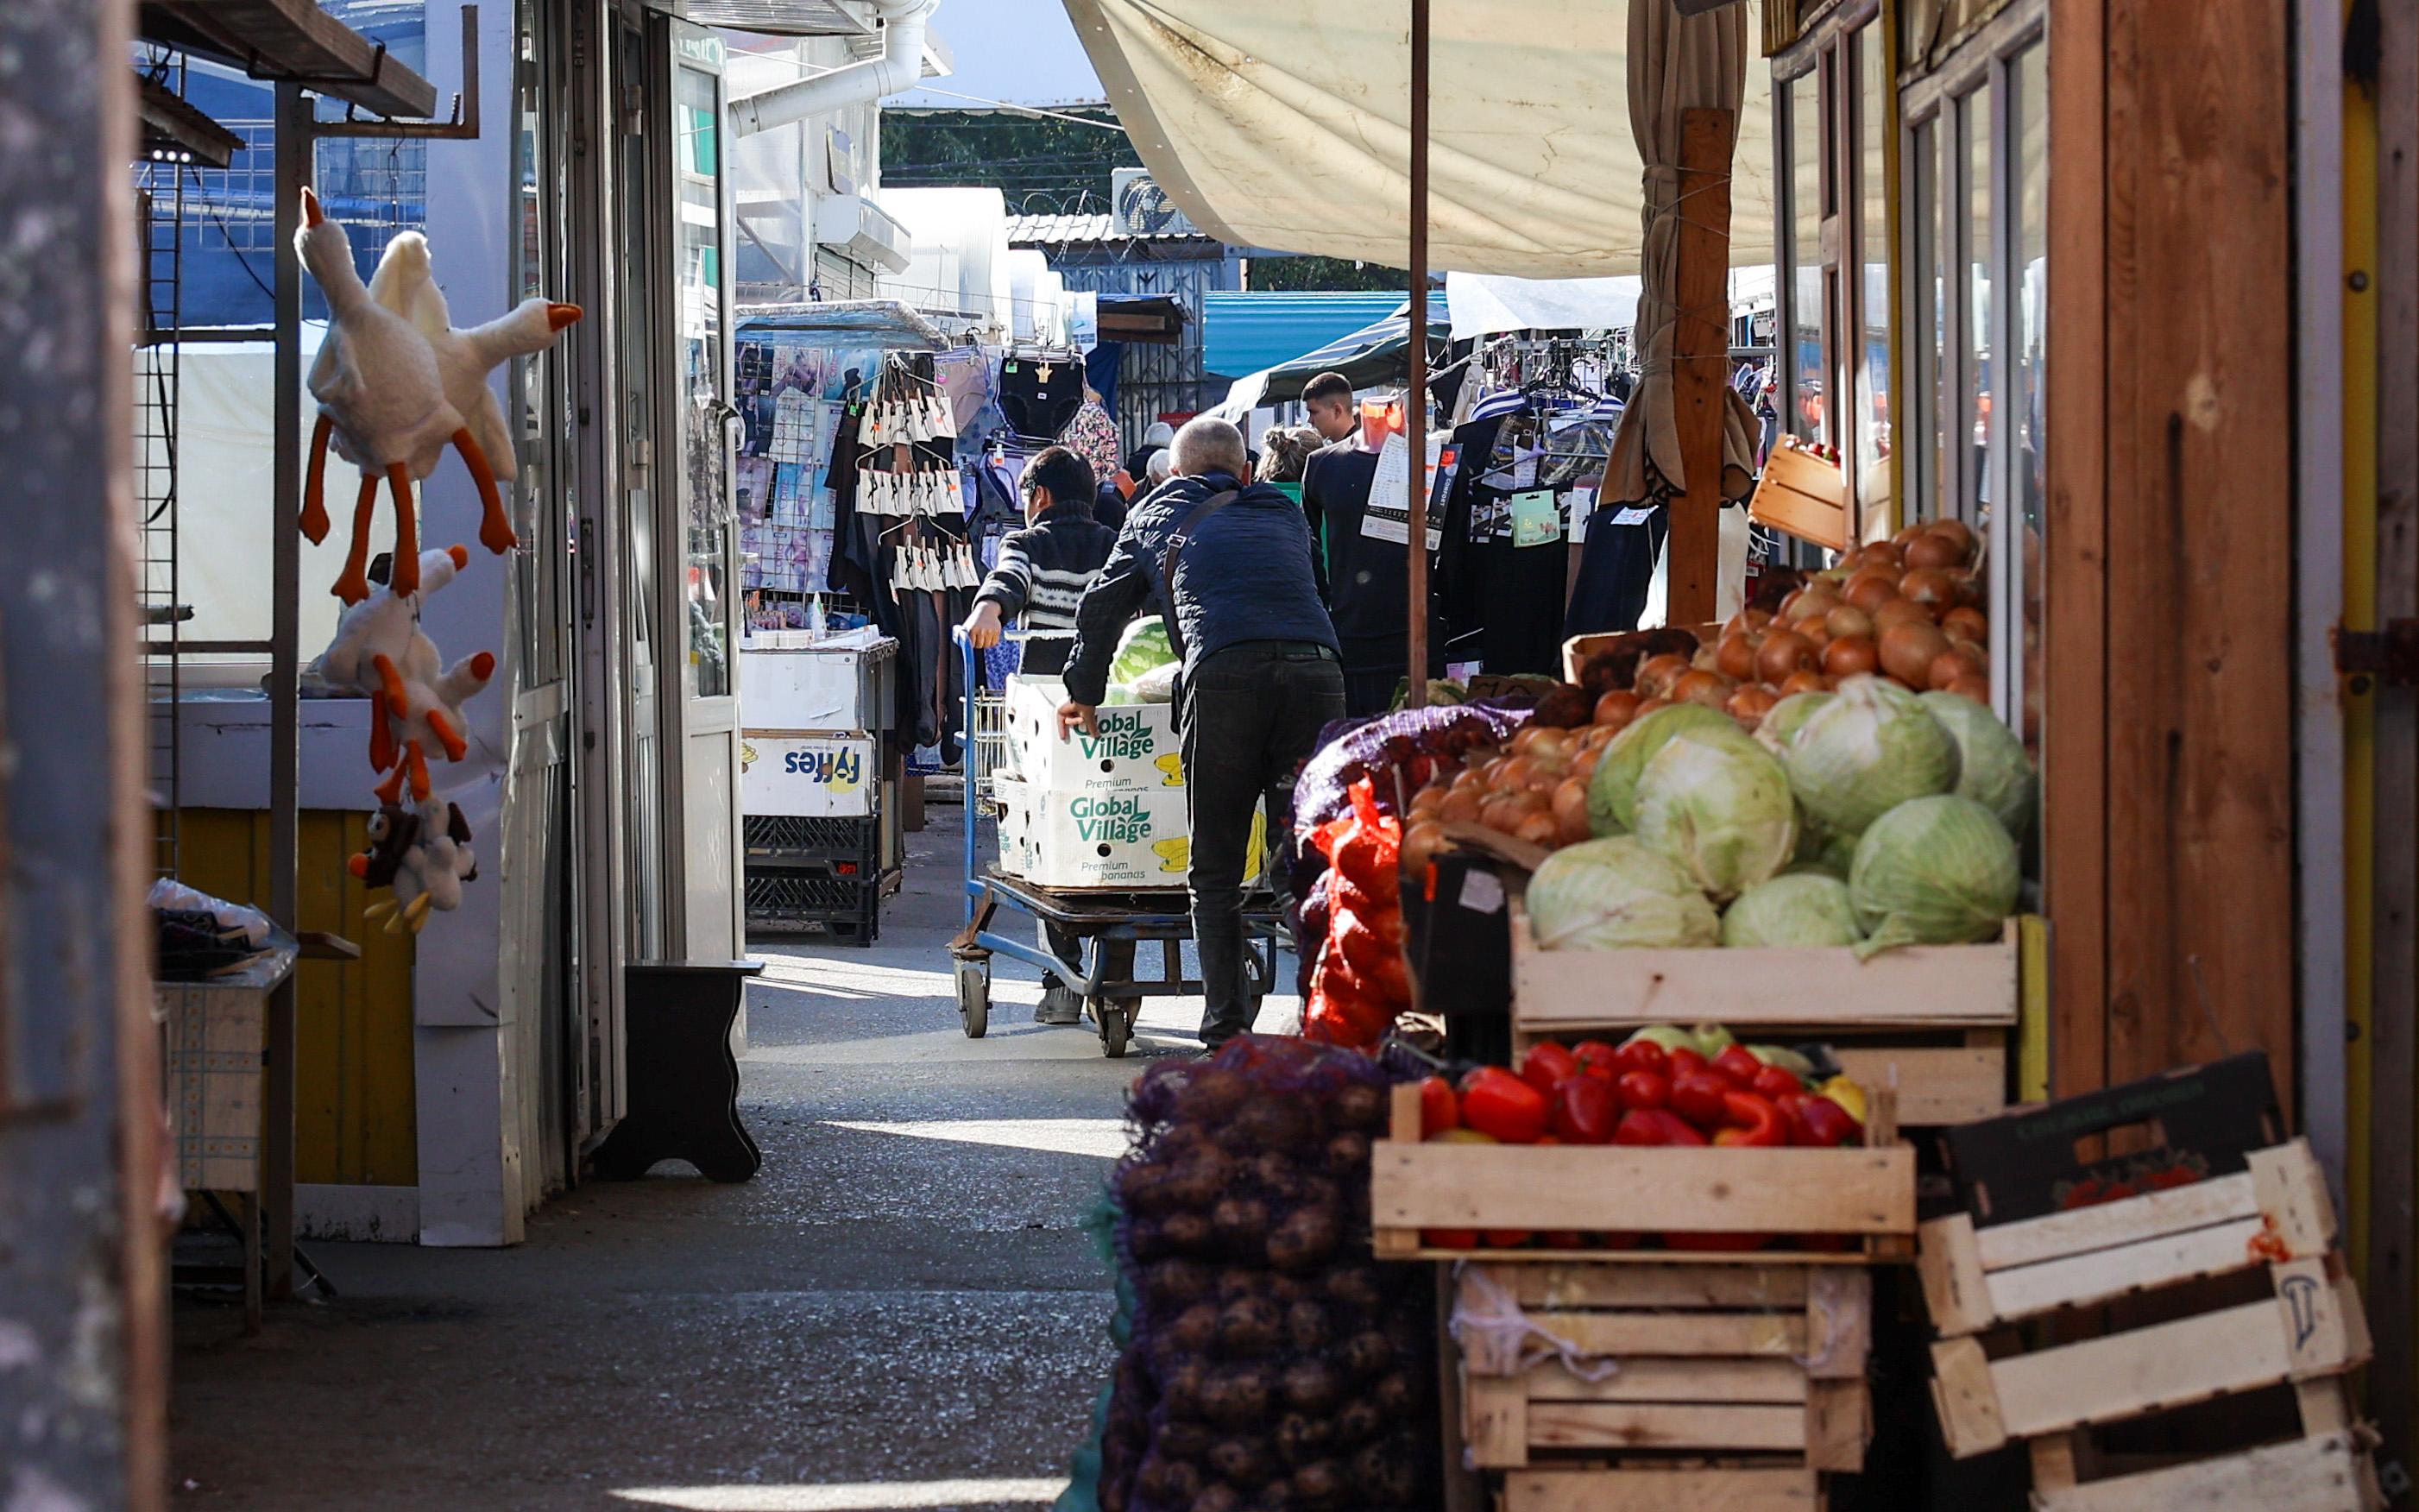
x: 1108, y: 928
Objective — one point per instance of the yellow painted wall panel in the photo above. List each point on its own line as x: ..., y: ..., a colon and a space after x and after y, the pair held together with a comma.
x: 354, y: 1115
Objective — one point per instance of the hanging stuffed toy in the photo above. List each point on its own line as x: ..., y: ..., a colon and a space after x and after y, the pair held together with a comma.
x: 382, y: 652
x: 395, y: 382
x: 423, y: 852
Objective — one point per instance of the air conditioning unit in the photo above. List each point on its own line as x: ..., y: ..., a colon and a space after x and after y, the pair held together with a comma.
x: 1139, y: 208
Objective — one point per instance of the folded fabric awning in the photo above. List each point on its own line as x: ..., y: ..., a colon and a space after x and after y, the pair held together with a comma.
x: 1485, y: 303
x: 1277, y: 124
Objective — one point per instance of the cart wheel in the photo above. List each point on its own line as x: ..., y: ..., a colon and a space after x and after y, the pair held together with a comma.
x: 1117, y: 1020
x: 974, y: 996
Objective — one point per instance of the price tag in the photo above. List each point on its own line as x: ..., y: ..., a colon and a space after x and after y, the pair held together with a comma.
x: 1482, y: 892
x: 1536, y: 519
x: 1638, y: 515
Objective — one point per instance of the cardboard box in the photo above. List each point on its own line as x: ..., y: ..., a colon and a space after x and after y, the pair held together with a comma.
x: 817, y: 776
x: 1128, y: 841
x: 839, y: 683
x: 1136, y: 751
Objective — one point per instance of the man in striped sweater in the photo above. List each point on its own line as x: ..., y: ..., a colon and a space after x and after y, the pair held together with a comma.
x: 1044, y: 568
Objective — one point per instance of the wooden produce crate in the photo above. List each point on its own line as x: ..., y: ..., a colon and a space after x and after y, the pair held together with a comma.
x: 1803, y: 495
x: 2264, y: 1232
x: 1865, y: 1193
x: 1707, y: 1488
x: 1758, y: 1368
x: 1929, y: 1020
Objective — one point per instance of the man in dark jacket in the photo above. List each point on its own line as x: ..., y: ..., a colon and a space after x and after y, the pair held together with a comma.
x: 1044, y: 568
x: 1229, y: 564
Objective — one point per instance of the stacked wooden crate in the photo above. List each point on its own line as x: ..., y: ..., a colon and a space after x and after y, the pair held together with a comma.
x: 2232, y: 1249
x: 1605, y: 1373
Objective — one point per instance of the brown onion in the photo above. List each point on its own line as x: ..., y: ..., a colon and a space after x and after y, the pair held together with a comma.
x: 1657, y: 675
x: 1812, y: 604
x: 1928, y: 585
x: 1736, y: 658
x: 1570, y: 805
x: 1907, y: 651
x: 1958, y: 533
x: 1462, y: 806
x: 1428, y: 800
x: 1905, y: 535
x: 1807, y: 681
x: 1538, y: 829
x: 1932, y: 549
x: 1955, y: 662
x: 1851, y: 654
x: 1505, y: 811
x: 1421, y: 843
x: 1972, y: 686
x: 1883, y: 554
x: 1967, y: 588
x: 1584, y: 764
x: 1969, y: 623
x: 1748, y: 706
x: 1869, y: 590
x: 1848, y: 620
x: 1616, y: 708
x: 1598, y: 736
x: 1650, y: 706
x: 1511, y: 774
x: 1901, y: 612
x: 1746, y: 622
x: 1783, y: 652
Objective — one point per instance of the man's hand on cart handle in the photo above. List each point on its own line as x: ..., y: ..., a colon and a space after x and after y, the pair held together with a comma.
x: 982, y: 625
x: 1073, y: 716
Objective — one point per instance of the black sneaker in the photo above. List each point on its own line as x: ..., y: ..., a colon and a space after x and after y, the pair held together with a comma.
x: 1060, y: 1006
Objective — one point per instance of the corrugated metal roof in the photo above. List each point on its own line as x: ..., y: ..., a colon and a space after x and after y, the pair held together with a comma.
x: 1245, y: 332
x: 1063, y: 230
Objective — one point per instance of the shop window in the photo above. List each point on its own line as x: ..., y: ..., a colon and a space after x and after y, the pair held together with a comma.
x: 1832, y: 108
x: 1975, y: 178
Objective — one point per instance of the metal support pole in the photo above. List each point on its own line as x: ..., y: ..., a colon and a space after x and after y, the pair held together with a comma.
x: 1415, y: 417
x: 295, y: 136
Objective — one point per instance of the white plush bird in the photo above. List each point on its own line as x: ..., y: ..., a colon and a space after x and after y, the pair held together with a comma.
x: 423, y: 852
x: 406, y: 283
x: 382, y: 652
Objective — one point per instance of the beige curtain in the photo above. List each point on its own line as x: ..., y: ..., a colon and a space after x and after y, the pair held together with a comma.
x: 1676, y: 63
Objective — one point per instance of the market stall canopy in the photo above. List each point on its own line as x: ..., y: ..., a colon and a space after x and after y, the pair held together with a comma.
x: 851, y: 323
x: 1244, y: 330
x: 1273, y: 123
x: 1377, y: 353
x: 1485, y: 303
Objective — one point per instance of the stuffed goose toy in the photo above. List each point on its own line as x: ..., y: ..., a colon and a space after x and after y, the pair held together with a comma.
x: 397, y: 384
x: 382, y: 652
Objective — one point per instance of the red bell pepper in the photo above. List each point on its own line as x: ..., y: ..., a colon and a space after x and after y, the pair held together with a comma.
x: 1547, y: 1065
x: 1643, y: 1055
x: 1639, y: 1127
x: 1824, y: 1125
x: 1776, y: 1082
x: 1586, y: 1108
x: 1449, y: 1238
x: 1439, y: 1109
x: 1597, y: 1058
x: 1683, y: 1061
x: 1645, y: 1090
x: 1676, y: 1129
x: 1750, y: 1119
x: 1503, y: 1106
x: 1736, y: 1063
x: 1697, y: 1096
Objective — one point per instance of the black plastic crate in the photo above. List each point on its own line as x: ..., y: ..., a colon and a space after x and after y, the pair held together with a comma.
x: 815, y: 898
x: 779, y: 837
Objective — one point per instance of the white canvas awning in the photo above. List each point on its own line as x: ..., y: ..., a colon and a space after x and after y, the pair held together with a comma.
x: 1485, y: 303
x: 1283, y: 125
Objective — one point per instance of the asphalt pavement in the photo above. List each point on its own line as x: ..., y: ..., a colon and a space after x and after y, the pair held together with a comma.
x: 903, y: 1310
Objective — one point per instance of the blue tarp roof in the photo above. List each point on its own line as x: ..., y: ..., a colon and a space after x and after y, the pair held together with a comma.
x: 1244, y: 332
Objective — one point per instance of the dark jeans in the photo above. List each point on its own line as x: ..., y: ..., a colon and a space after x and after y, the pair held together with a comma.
x: 1251, y: 714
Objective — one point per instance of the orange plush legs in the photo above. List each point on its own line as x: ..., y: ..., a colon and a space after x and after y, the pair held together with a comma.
x: 314, y: 483
x: 406, y: 578
x: 495, y: 530
x: 353, y: 584
x: 419, y: 764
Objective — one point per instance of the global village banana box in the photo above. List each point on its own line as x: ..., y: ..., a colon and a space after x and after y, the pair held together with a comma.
x: 1136, y: 751
x: 1132, y: 841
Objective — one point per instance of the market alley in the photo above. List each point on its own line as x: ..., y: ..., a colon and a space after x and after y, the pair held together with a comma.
x: 903, y: 1308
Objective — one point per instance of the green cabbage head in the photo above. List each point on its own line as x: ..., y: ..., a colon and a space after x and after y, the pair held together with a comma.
x: 1614, y: 894
x: 1992, y: 766
x: 1777, y: 730
x: 1935, y: 870
x: 1717, y: 803
x: 1870, y: 748
x: 1612, y: 792
x: 1798, y: 908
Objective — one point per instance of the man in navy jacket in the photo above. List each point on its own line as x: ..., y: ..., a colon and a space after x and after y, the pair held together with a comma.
x: 1260, y: 673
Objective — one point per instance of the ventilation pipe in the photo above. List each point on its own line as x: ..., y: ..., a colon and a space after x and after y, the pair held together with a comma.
x: 900, y: 65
